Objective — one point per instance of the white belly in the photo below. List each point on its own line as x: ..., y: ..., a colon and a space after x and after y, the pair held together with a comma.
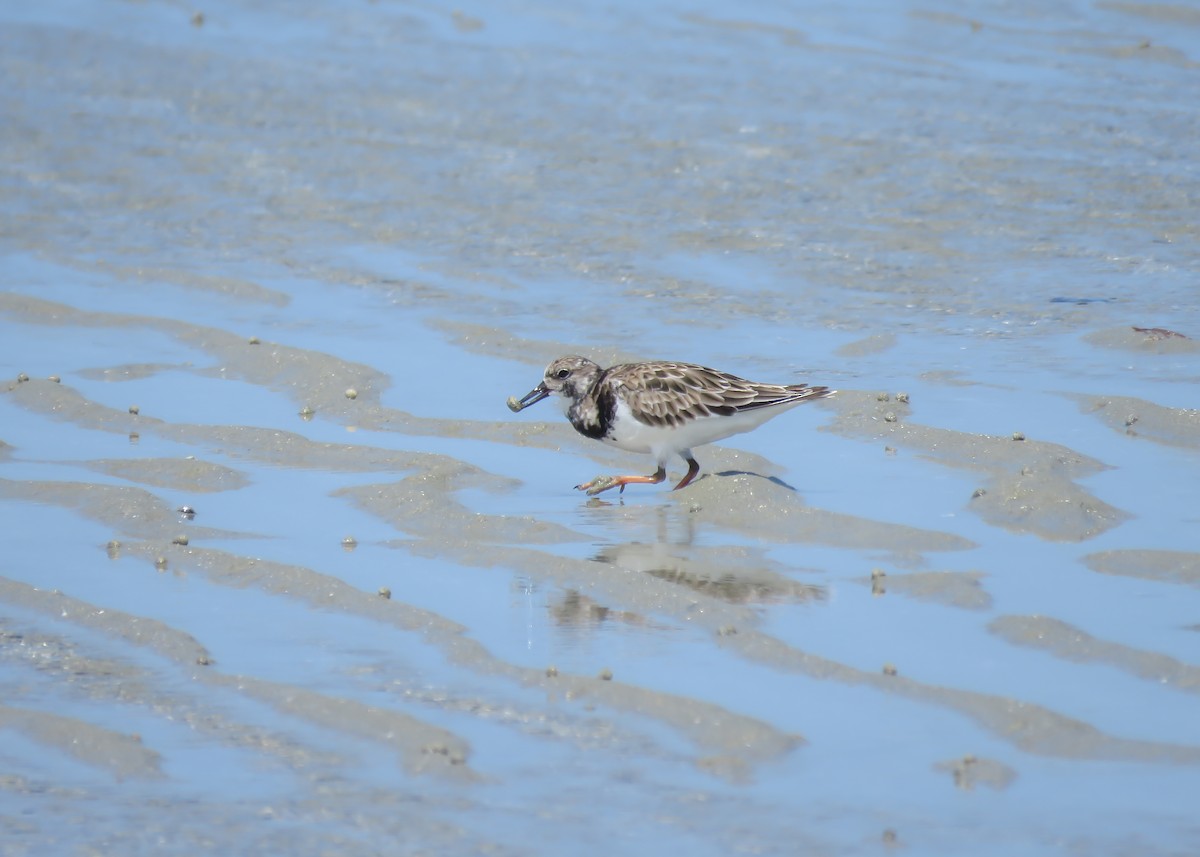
x: 662, y: 442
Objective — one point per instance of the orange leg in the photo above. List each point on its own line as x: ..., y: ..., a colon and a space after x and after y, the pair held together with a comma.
x: 603, y: 483
x: 693, y: 469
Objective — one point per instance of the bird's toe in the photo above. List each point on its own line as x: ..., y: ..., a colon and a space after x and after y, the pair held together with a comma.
x: 600, y: 483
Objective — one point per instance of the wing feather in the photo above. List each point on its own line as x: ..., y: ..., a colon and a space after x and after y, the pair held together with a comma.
x: 666, y: 393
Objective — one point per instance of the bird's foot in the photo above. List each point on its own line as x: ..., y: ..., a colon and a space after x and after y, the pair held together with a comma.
x: 599, y: 484
x: 603, y: 483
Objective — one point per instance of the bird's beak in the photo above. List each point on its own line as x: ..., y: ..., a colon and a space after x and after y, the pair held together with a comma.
x: 531, y: 398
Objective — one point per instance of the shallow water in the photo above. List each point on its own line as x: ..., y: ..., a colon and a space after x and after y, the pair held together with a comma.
x: 228, y: 222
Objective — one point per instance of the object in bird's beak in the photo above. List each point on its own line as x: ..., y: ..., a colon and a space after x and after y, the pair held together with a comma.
x: 531, y: 398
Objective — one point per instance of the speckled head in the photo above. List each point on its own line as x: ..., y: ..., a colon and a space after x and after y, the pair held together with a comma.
x: 570, y: 377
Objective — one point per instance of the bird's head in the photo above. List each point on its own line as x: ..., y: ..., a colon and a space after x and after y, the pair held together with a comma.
x: 569, y: 377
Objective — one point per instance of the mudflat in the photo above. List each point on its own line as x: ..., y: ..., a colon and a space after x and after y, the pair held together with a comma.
x: 282, y: 573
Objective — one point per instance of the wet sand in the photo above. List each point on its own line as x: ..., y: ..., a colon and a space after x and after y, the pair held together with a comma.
x: 283, y: 574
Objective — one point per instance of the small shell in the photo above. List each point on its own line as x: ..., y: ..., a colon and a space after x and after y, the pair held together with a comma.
x: 514, y: 404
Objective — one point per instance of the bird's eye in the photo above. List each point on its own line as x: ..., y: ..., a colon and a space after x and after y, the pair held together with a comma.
x: 562, y: 373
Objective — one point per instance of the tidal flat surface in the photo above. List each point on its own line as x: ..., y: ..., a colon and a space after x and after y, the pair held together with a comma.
x: 282, y: 574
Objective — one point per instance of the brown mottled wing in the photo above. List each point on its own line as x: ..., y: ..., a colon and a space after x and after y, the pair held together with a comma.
x: 669, y: 394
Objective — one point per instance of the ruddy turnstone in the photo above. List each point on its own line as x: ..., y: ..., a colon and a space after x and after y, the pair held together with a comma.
x: 660, y: 407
